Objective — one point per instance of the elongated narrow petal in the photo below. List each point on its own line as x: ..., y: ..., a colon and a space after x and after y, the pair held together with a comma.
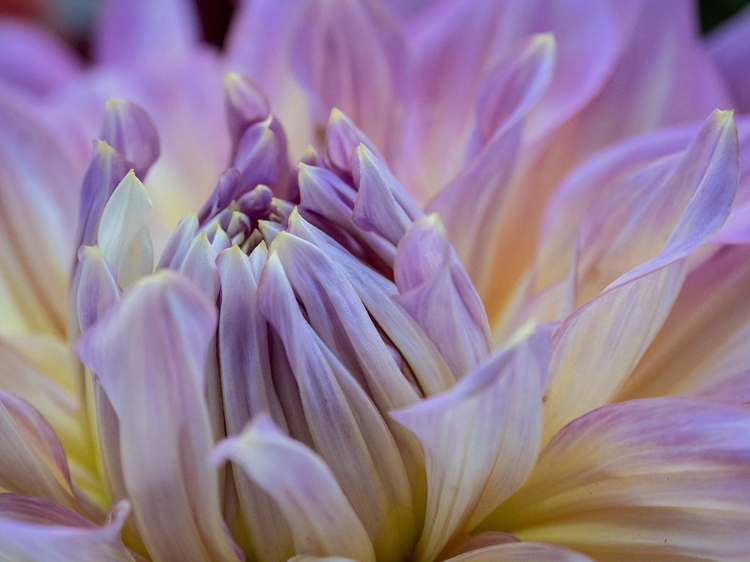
x: 382, y: 205
x: 653, y: 479
x: 321, y: 518
x: 38, y: 530
x: 703, y: 343
x: 522, y: 552
x: 480, y: 438
x: 246, y: 104
x: 33, y: 61
x: 149, y: 353
x: 261, y: 156
x: 97, y: 288
x: 33, y: 461
x: 123, y: 235
x: 351, y: 56
x: 457, y: 46
x: 430, y: 369
x: 729, y: 50
x: 436, y: 291
x: 510, y: 90
x: 347, y: 429
x: 599, y: 345
x: 132, y: 31
x: 342, y: 139
x: 130, y: 131
x: 37, y: 213
x: 178, y: 244
x: 246, y: 377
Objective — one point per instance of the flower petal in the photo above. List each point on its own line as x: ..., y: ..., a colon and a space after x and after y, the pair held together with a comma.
x: 149, y: 352
x: 139, y: 30
x: 346, y: 427
x: 599, y: 345
x: 37, y: 210
x: 438, y: 294
x: 430, y: 369
x: 521, y: 552
x: 37, y: 530
x: 652, y: 479
x: 247, y: 384
x: 320, y: 516
x: 130, y: 131
x: 33, y: 61
x: 728, y: 48
x: 33, y: 460
x: 122, y: 234
x: 494, y: 417
x: 704, y: 340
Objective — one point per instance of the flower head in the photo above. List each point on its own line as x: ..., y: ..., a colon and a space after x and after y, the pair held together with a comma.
x: 321, y: 302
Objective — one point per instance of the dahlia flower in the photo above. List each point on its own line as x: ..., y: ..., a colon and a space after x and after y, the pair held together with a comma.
x: 380, y: 281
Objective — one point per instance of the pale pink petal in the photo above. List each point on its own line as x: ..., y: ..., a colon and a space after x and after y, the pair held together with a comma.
x: 599, y: 345
x: 522, y: 552
x: 480, y: 438
x: 37, y: 218
x: 321, y: 518
x: 458, y: 42
x: 33, y: 61
x: 472, y: 204
x: 37, y: 530
x: 351, y: 56
x: 436, y: 291
x: 730, y: 51
x: 346, y: 427
x: 704, y: 340
x: 244, y: 357
x: 653, y: 479
x: 33, y: 461
x: 149, y: 352
x: 139, y: 30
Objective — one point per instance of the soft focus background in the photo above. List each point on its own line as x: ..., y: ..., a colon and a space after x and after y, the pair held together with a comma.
x: 72, y: 18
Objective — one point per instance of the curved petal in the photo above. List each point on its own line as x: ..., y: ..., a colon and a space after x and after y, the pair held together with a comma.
x: 652, y: 479
x: 521, y: 552
x: 37, y: 530
x: 480, y: 438
x: 729, y: 49
x: 321, y: 518
x: 129, y: 129
x: 599, y: 345
x: 138, y: 30
x: 149, y: 353
x: 37, y: 213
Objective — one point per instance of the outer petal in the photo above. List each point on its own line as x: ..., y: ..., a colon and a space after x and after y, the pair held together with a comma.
x: 728, y: 47
x: 37, y: 530
x: 139, y: 30
x: 37, y: 210
x: 654, y: 479
x: 494, y: 417
x: 31, y: 60
x: 351, y: 55
x: 458, y: 42
x: 33, y: 461
x: 521, y: 552
x: 149, y: 353
x: 703, y: 343
x: 321, y: 518
x: 598, y: 346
